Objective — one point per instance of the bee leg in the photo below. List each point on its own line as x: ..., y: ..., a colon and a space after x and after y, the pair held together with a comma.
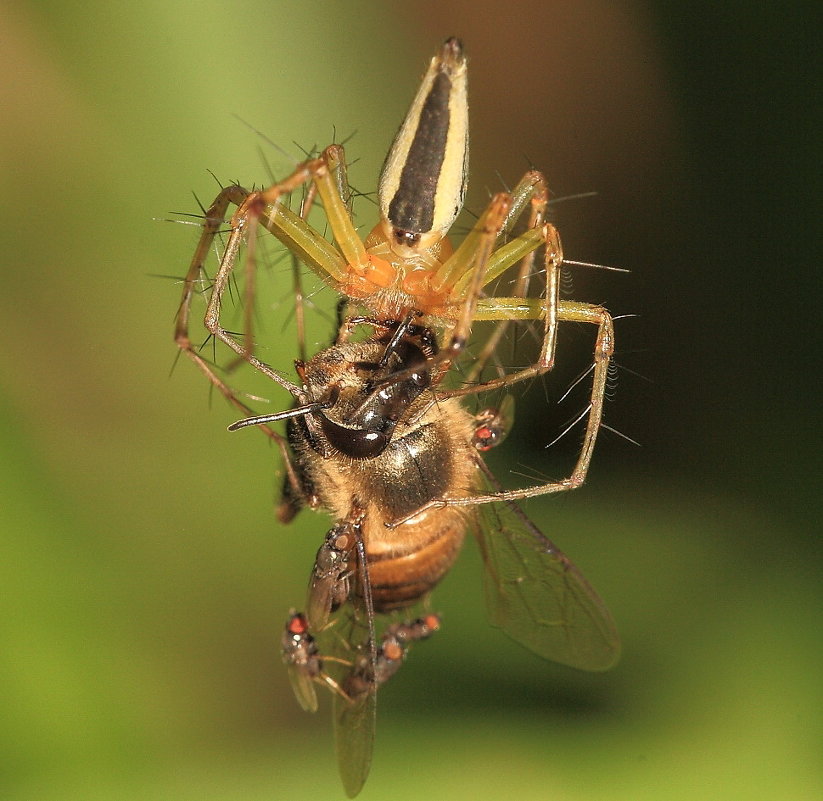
x: 297, y: 492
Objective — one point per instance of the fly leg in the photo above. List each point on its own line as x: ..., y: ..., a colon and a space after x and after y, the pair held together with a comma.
x: 392, y: 652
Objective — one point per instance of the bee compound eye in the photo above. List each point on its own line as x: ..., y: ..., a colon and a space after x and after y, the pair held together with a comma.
x: 357, y: 443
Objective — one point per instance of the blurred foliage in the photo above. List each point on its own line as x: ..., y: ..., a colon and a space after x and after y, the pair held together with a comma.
x: 144, y: 577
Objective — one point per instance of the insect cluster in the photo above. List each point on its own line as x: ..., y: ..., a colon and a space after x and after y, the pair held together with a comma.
x: 378, y: 434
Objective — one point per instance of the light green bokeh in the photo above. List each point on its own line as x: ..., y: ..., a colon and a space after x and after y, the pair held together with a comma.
x: 143, y: 576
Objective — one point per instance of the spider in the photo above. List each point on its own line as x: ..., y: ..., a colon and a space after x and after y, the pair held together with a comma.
x: 377, y: 439
x: 406, y: 264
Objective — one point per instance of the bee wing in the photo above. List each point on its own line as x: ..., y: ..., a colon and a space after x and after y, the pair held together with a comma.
x: 354, y: 724
x: 536, y: 594
x: 355, y: 709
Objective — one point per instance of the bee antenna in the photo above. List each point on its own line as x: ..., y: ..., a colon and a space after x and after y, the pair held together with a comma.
x: 298, y: 411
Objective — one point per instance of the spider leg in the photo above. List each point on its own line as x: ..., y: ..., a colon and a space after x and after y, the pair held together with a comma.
x: 532, y: 187
x: 254, y: 208
x: 603, y: 350
x: 475, y: 263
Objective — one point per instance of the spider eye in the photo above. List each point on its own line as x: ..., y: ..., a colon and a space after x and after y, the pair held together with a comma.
x: 407, y: 238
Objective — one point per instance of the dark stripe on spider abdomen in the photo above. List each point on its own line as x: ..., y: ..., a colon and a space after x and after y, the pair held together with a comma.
x: 412, y: 207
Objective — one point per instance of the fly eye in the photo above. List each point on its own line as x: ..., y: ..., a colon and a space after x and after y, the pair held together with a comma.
x: 485, y: 438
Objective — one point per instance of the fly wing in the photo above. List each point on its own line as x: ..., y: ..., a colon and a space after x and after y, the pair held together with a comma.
x: 536, y: 594
x: 303, y: 687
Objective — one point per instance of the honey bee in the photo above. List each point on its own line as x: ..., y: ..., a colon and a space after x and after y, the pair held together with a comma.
x: 377, y: 436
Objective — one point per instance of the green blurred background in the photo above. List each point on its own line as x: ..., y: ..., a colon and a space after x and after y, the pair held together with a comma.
x: 144, y: 579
